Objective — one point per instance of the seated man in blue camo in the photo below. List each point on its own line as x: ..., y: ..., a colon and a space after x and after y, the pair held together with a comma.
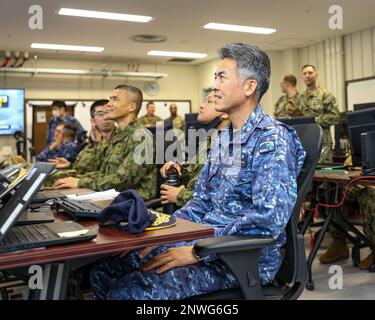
x: 61, y: 116
x: 63, y: 145
x: 248, y: 186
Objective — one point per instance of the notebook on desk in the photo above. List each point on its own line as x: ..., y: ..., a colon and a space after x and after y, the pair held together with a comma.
x: 16, y: 238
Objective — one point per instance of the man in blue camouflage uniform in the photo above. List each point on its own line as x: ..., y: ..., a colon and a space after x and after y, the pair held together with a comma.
x: 60, y: 116
x: 63, y: 145
x: 247, y: 187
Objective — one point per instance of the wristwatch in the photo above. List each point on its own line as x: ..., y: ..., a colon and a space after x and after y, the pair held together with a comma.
x: 196, y: 256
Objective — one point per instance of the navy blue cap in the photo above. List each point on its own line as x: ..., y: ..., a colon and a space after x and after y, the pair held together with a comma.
x: 127, y: 212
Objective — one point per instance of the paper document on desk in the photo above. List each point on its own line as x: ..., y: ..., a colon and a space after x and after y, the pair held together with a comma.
x: 103, y: 195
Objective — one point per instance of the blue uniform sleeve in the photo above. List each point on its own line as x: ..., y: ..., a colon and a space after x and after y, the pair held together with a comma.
x: 43, y: 156
x: 195, y: 209
x: 80, y: 129
x: 69, y: 152
x: 273, y: 187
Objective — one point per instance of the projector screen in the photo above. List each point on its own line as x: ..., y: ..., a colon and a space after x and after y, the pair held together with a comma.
x: 12, y: 119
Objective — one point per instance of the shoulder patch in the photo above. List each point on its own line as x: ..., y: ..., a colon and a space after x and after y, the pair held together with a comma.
x: 267, y: 146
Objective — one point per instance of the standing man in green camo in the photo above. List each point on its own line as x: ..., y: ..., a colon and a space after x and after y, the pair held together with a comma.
x: 177, y: 121
x: 122, y: 167
x: 149, y: 120
x: 189, y: 172
x: 318, y: 102
x: 288, y: 105
x: 91, y: 157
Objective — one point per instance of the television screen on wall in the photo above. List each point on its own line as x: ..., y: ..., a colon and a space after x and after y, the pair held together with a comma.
x: 12, y: 105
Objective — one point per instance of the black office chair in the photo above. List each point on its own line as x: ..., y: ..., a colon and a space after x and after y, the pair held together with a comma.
x: 241, y: 253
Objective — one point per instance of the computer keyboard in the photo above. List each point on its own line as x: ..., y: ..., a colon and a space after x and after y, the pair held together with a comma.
x: 48, y: 195
x: 26, y: 234
x: 78, y: 209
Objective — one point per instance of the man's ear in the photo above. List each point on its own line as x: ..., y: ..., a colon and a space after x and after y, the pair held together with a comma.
x: 250, y: 87
x: 133, y: 107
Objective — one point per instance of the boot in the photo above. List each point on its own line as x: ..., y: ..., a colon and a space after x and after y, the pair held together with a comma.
x: 369, y: 261
x: 338, y: 250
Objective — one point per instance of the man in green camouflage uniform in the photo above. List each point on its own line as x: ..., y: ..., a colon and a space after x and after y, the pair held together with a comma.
x: 189, y: 173
x: 123, y: 167
x: 177, y: 121
x: 288, y: 105
x: 365, y: 196
x: 91, y: 157
x: 149, y: 120
x: 318, y: 102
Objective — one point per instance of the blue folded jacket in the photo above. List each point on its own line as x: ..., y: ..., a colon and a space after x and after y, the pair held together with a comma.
x: 127, y: 212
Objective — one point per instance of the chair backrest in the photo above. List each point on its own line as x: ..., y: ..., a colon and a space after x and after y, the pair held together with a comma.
x: 311, y: 136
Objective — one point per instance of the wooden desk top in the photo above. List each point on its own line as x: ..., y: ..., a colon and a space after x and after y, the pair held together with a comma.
x: 107, y: 241
x: 341, y: 177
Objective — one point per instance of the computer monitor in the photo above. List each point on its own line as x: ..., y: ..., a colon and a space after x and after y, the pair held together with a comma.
x: 363, y: 106
x: 355, y: 134
x: 12, y: 104
x: 11, y: 182
x: 296, y: 120
x: 359, y: 122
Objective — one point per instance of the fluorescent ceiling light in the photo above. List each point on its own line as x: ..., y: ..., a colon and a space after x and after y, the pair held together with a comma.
x: 65, y: 47
x: 177, y: 54
x: 233, y: 27
x: 103, y: 15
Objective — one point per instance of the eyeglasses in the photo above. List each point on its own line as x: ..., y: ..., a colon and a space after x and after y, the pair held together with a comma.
x: 99, y: 114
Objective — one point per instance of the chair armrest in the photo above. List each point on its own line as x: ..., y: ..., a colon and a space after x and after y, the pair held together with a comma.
x: 153, y: 203
x: 231, y: 244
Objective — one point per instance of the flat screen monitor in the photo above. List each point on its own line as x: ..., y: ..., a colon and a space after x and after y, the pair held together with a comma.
x: 12, y: 119
x: 363, y: 106
x: 355, y: 142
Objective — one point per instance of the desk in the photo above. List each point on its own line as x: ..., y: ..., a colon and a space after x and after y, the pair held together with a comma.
x: 359, y: 240
x: 108, y: 241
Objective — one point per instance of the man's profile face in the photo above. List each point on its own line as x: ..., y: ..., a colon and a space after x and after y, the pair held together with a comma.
x: 229, y: 90
x: 100, y: 121
x: 207, y: 112
x: 119, y: 105
x: 284, y: 86
x: 309, y: 75
x: 150, y: 110
x: 59, y: 132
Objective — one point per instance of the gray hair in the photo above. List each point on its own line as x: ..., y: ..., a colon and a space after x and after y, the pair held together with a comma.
x: 252, y: 63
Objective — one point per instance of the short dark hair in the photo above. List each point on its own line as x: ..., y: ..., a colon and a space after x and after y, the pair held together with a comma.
x: 59, y: 103
x: 290, y: 79
x: 309, y: 65
x: 136, y: 95
x: 97, y: 103
x: 252, y: 63
x: 149, y: 103
x: 70, y: 130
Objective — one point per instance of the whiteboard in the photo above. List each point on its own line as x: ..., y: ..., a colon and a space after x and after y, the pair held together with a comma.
x: 360, y: 91
x: 162, y: 108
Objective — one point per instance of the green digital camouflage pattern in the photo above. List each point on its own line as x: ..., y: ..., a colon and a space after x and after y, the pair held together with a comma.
x: 365, y: 196
x: 149, y: 121
x: 191, y: 173
x: 178, y: 123
x: 119, y: 170
x: 288, y: 107
x: 322, y: 105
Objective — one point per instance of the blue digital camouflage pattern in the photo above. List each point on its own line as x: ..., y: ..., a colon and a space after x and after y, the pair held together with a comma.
x: 52, y: 124
x: 67, y: 150
x: 240, y: 191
